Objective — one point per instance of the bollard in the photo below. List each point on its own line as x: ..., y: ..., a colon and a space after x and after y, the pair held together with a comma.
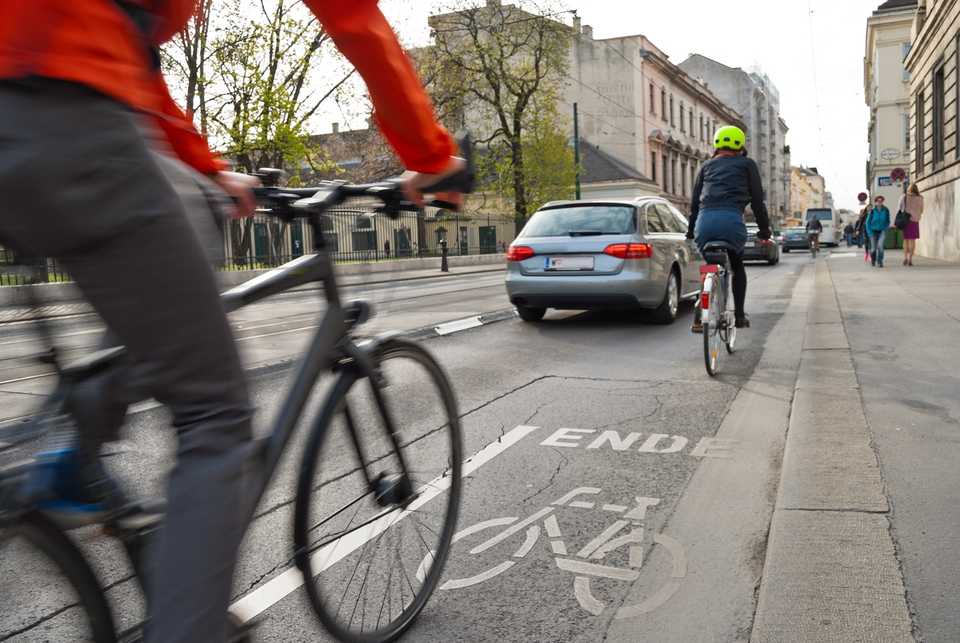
x: 444, y: 266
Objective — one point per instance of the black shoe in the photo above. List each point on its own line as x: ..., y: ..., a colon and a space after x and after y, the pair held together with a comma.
x: 742, y: 321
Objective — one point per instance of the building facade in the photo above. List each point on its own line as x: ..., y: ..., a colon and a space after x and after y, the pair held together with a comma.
x: 935, y: 143
x: 637, y: 106
x: 755, y: 97
x: 807, y: 190
x: 887, y: 94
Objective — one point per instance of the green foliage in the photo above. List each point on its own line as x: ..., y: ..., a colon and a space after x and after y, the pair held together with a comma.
x: 498, y: 70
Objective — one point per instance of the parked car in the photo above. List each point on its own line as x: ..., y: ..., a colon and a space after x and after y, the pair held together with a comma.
x: 760, y: 249
x: 581, y: 255
x: 795, y: 239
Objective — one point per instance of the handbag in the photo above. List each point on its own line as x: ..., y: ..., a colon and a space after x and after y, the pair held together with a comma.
x: 902, y: 219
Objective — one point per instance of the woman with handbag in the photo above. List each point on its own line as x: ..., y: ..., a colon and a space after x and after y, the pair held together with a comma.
x: 912, y: 204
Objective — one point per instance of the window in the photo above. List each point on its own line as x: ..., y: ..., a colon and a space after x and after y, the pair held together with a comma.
x: 663, y: 105
x: 653, y: 99
x: 939, y: 97
x: 906, y: 133
x: 654, y: 223
x: 683, y: 178
x: 673, y: 122
x: 904, y: 52
x: 666, y: 171
x: 921, y: 132
x: 673, y: 176
x: 653, y: 166
x: 702, y: 137
x: 581, y: 220
x: 671, y: 219
x: 683, y: 121
x: 691, y: 122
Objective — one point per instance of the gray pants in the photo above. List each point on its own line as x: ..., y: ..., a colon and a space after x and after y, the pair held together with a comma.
x: 79, y: 182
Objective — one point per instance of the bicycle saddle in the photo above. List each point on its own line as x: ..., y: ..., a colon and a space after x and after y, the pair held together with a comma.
x: 715, y: 252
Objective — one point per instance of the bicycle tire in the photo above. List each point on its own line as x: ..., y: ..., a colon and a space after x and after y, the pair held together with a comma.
x: 43, y: 535
x: 711, y: 330
x: 304, y: 553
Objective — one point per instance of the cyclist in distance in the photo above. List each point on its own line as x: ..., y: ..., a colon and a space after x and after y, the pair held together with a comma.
x: 726, y: 184
x: 814, y: 229
x: 101, y: 170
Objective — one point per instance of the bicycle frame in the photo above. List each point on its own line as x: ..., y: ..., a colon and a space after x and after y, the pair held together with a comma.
x: 330, y: 345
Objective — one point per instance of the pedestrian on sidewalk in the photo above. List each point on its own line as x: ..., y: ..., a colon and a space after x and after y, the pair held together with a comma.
x: 860, y: 227
x: 386, y: 248
x: 878, y: 222
x: 848, y: 234
x: 912, y: 204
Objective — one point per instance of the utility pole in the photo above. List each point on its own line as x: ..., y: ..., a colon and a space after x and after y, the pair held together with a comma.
x: 576, y: 147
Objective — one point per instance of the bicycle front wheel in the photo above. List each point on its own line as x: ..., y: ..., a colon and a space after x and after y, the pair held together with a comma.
x: 374, y: 523
x: 49, y: 592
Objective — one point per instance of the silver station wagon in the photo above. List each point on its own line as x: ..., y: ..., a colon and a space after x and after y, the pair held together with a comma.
x: 581, y: 255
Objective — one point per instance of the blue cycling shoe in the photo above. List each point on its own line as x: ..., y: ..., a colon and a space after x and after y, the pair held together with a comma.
x: 71, y: 490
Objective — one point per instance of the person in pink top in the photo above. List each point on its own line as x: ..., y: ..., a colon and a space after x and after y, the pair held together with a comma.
x: 912, y: 204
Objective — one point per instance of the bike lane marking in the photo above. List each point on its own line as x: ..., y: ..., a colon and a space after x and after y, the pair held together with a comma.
x: 262, y: 598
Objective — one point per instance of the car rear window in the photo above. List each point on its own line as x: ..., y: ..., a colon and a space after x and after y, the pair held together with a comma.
x: 582, y: 221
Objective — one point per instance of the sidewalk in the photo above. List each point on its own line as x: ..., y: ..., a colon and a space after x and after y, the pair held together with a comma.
x: 864, y: 539
x: 903, y: 326
x: 831, y: 572
x: 10, y: 314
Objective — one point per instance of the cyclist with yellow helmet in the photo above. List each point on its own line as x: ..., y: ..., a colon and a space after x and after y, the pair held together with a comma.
x: 727, y: 183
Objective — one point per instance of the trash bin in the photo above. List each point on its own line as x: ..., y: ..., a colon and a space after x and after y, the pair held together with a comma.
x: 894, y: 239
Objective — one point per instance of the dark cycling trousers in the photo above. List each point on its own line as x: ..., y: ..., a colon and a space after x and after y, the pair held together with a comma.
x: 78, y: 182
x: 739, y: 271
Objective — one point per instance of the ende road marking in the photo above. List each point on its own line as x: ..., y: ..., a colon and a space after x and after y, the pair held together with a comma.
x: 271, y: 592
x: 659, y: 443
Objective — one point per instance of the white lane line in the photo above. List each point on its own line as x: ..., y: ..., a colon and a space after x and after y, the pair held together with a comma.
x: 458, y: 325
x: 279, y: 587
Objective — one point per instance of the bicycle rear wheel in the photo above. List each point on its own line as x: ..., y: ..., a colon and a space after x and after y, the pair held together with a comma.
x: 361, y: 542
x: 711, y: 327
x: 49, y: 592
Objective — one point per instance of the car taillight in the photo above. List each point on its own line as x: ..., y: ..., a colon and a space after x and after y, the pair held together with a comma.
x: 519, y: 253
x: 629, y: 250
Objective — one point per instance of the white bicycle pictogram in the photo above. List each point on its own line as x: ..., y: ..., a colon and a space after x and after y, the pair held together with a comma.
x: 626, y: 531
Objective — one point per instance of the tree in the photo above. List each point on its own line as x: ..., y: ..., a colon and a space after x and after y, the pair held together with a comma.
x: 550, y: 168
x: 490, y: 68
x: 267, y: 95
x: 246, y: 69
x: 186, y: 58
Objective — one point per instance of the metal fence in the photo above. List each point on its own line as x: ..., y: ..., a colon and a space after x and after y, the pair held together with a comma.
x: 354, y: 233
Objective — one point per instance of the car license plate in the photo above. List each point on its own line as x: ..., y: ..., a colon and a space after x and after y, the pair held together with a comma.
x: 751, y: 244
x: 569, y: 263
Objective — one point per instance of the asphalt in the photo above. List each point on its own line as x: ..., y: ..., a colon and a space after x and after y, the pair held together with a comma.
x: 803, y: 495
x: 622, y: 414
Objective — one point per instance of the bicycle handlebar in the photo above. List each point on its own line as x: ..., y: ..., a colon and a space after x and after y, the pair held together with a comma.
x: 292, y: 203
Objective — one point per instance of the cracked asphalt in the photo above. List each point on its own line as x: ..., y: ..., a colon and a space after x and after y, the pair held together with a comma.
x: 624, y: 415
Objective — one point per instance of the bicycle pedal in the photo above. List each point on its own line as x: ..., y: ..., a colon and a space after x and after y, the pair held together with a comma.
x: 358, y: 312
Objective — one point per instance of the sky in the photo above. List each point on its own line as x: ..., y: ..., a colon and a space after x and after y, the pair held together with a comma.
x: 812, y: 50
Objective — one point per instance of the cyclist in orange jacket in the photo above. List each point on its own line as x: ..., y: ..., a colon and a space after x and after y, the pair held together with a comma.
x: 99, y: 168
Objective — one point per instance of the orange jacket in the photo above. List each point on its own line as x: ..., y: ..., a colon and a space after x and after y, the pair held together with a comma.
x: 92, y: 42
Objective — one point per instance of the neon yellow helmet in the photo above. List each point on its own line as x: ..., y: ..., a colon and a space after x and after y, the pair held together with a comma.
x: 729, y: 138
